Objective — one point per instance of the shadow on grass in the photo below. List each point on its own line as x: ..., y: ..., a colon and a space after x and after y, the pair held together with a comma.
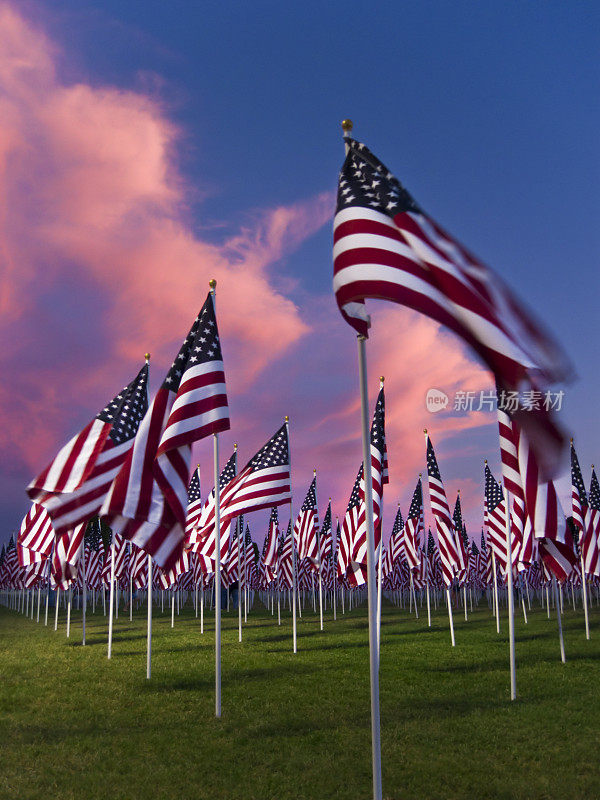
x: 195, y: 683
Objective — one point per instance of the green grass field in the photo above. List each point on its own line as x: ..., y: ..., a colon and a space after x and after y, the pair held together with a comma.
x: 75, y: 725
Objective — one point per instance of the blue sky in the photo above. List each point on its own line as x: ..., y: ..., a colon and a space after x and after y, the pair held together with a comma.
x: 487, y: 112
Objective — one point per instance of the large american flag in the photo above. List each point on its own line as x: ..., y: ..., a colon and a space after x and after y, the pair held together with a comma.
x: 387, y: 247
x: 582, y: 518
x: 305, y: 527
x: 147, y: 502
x: 74, y: 485
x: 441, y: 513
x: 264, y: 482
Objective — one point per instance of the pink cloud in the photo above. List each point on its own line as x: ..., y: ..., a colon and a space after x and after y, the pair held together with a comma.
x: 95, y: 216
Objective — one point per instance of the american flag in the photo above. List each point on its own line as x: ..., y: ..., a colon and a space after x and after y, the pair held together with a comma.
x: 594, y: 511
x: 285, y: 567
x: 67, y: 551
x: 194, y: 506
x: 202, y: 536
x: 582, y: 517
x: 350, y: 525
x: 495, y: 505
x: 264, y: 482
x: 305, y: 527
x: 73, y: 487
x: 461, y: 547
x: 94, y: 554
x: 269, y: 557
x: 11, y: 564
x: 395, y: 548
x: 522, y: 531
x: 441, y: 513
x: 147, y: 502
x: 36, y: 536
x: 326, y: 536
x: 387, y: 247
x: 357, y: 569
x: 413, y: 527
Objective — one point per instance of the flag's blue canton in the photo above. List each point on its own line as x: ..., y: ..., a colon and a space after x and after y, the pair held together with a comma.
x: 274, y: 454
x: 274, y: 516
x: 228, y: 471
x: 326, y: 527
x: 200, y: 345
x: 310, y: 501
x: 474, y: 548
x: 483, y: 545
x: 366, y: 182
x: 194, y: 488
x: 93, y: 533
x: 576, y: 478
x: 457, y: 516
x: 398, y: 522
x: 432, y: 466
x: 464, y: 535
x: 248, y: 537
x: 493, y: 492
x: 430, y: 544
x: 594, y: 492
x: 417, y: 501
x: 355, y: 497
x: 378, y: 425
x: 127, y: 409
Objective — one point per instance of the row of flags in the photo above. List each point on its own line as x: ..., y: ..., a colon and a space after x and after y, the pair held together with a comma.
x: 130, y: 465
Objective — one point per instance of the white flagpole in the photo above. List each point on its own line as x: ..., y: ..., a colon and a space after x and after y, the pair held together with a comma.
x: 558, y: 615
x: 149, y: 633
x: 69, y: 599
x: 239, y: 525
x: 217, y: 580
x: 84, y: 589
x: 371, y: 585
x: 449, y: 601
x: 112, y: 595
x: 428, y: 606
x: 584, y: 590
x: 511, y: 609
x: 294, y: 581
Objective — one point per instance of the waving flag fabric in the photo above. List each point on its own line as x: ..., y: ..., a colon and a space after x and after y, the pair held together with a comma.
x: 264, y: 482
x: 413, y: 528
x: 582, y: 518
x: 36, y: 536
x: 441, y: 513
x: 147, y: 502
x: 202, y: 539
x: 305, y: 527
x: 594, y: 511
x: 74, y: 485
x: 387, y: 247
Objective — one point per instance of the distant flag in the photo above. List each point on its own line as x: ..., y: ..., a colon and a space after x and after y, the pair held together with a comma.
x: 74, y: 485
x: 194, y: 503
x: 594, y: 511
x: 264, y: 482
x: 148, y: 499
x: 461, y: 548
x: 441, y: 513
x: 354, y: 527
x: 413, y: 527
x: 305, y: 527
x: 202, y: 539
x: 588, y: 538
x: 326, y: 536
x: 269, y: 558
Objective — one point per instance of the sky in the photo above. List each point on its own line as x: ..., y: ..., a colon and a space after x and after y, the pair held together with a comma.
x: 147, y: 147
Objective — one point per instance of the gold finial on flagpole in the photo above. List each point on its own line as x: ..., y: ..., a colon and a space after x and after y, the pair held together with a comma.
x: 147, y: 357
x: 424, y: 430
x: 347, y: 125
x: 235, y: 445
x: 287, y: 419
x: 315, y: 472
x: 213, y: 284
x: 571, y: 440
